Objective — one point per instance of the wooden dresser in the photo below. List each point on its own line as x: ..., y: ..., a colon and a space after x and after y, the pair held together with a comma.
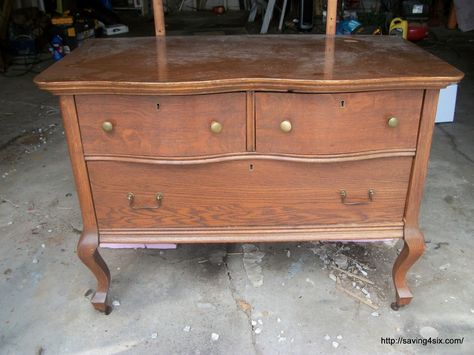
x: 249, y: 139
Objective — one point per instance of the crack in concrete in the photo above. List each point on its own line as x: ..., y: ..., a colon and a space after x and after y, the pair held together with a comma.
x: 13, y: 140
x: 234, y: 294
x: 38, y: 132
x: 454, y: 145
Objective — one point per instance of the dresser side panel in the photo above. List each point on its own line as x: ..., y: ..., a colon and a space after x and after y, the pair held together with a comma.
x: 78, y: 164
x: 421, y: 160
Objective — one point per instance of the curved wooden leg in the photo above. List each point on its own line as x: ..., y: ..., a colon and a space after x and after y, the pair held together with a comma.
x: 88, y: 253
x: 413, y: 248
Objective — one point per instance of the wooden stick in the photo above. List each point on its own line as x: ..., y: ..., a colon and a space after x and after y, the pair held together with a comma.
x: 357, y: 297
x: 353, y: 275
x: 159, y: 14
x: 331, y: 17
x: 452, y: 18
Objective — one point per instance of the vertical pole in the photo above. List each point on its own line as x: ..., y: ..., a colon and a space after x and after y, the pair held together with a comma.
x: 331, y: 16
x: 452, y: 19
x: 329, y: 58
x: 159, y: 15
x: 282, y: 15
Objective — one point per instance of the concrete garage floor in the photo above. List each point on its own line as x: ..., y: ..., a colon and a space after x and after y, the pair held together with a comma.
x: 172, y: 301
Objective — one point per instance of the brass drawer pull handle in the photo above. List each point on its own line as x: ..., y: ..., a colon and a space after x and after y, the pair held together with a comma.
x: 107, y: 126
x: 286, y: 126
x: 392, y: 122
x: 343, y: 194
x: 131, y: 202
x: 216, y: 127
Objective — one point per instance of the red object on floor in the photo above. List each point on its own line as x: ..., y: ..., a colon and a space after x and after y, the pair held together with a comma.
x: 417, y: 33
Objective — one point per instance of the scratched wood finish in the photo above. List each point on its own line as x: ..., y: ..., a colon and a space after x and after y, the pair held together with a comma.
x: 174, y: 65
x: 180, y: 126
x: 247, y: 193
x: 337, y: 123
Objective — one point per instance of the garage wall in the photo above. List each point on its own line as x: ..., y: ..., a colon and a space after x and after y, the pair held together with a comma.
x: 190, y: 5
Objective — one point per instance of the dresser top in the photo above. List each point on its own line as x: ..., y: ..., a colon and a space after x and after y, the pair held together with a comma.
x: 204, y: 64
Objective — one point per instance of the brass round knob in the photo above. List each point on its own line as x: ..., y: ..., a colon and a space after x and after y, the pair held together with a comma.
x: 285, y: 126
x: 392, y: 122
x: 216, y: 127
x: 107, y: 126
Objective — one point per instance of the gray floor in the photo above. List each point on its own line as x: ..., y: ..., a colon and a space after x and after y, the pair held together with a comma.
x: 266, y: 299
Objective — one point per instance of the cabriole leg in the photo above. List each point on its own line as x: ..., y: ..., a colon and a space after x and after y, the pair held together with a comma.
x: 413, y: 248
x: 88, y: 253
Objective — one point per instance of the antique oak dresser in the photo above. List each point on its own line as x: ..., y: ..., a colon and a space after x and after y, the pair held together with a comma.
x: 248, y: 139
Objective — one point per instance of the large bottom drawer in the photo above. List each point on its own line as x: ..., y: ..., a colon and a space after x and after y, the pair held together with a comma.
x: 248, y: 193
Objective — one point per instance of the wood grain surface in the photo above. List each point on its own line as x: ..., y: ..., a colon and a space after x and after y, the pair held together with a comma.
x: 414, y: 242
x: 179, y: 127
x: 248, y: 193
x: 173, y: 65
x: 159, y: 17
x: 301, y: 158
x: 337, y: 123
x: 336, y: 232
x: 331, y: 17
x: 89, y: 240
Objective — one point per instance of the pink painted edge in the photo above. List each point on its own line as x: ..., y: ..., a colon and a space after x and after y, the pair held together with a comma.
x: 360, y: 240
x: 174, y: 246
x: 137, y: 246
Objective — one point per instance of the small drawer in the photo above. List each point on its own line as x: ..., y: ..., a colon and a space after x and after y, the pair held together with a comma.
x: 337, y: 123
x: 261, y: 193
x: 162, y: 125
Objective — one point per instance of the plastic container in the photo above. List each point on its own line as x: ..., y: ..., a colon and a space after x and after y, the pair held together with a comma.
x: 399, y: 27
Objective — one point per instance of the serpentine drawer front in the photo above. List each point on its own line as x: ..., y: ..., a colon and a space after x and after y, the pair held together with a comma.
x: 249, y: 193
x: 248, y: 139
x: 337, y: 123
x: 162, y: 125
